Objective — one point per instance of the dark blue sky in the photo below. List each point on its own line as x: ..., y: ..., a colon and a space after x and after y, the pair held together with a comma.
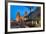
x: 14, y: 9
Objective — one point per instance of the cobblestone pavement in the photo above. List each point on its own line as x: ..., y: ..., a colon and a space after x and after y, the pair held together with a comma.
x: 23, y: 25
